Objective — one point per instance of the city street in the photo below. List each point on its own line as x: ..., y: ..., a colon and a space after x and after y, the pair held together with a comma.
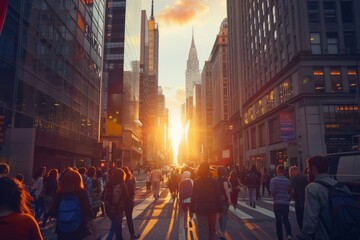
x: 162, y: 219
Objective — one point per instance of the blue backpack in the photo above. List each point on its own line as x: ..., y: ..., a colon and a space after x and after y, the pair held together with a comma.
x: 69, y: 214
x: 344, y: 212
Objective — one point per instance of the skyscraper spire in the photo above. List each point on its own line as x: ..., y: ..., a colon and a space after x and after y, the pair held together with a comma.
x: 152, y: 10
x: 193, y: 41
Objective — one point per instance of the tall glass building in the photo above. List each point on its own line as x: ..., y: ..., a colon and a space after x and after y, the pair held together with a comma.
x: 51, y: 67
x: 120, y: 111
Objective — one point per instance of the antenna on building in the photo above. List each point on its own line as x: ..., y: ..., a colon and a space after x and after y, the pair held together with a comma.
x: 152, y: 10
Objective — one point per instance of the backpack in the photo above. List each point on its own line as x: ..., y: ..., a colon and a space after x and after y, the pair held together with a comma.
x: 69, y: 214
x: 114, y: 202
x: 344, y: 212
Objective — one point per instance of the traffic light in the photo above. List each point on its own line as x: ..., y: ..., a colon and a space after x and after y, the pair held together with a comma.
x: 2, y: 122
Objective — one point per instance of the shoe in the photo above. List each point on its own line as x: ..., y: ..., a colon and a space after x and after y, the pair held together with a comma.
x: 289, y: 237
x: 135, y: 236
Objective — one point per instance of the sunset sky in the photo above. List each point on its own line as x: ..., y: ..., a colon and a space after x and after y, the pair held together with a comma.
x: 176, y: 18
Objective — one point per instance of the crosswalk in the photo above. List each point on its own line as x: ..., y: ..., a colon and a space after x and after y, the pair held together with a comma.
x: 150, y: 215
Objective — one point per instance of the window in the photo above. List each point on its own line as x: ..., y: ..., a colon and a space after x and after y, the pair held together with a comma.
x: 350, y: 42
x: 352, y: 75
x: 319, y: 81
x: 332, y: 42
x: 347, y: 14
x: 330, y: 12
x: 270, y: 100
x: 315, y: 43
x: 274, y: 131
x: 313, y: 12
x: 253, y: 138
x: 335, y: 76
x: 285, y: 91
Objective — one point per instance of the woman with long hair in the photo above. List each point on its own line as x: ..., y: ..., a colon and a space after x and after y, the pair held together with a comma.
x: 129, y: 206
x: 72, y: 207
x: 51, y: 184
x: 14, y: 212
x: 37, y: 192
x: 206, y: 202
x: 115, y: 197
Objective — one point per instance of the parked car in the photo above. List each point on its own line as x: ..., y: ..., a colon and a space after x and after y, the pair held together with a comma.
x: 345, y: 167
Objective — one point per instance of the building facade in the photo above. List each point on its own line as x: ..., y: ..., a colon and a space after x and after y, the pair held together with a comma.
x: 121, y: 82
x: 222, y: 143
x: 298, y: 74
x: 207, y: 112
x: 50, y: 85
x: 152, y: 90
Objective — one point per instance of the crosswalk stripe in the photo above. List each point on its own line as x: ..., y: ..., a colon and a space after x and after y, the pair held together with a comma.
x: 272, y: 202
x: 240, y: 213
x: 259, y: 209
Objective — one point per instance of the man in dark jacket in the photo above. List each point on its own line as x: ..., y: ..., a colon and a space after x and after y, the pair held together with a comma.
x: 252, y: 181
x: 298, y: 185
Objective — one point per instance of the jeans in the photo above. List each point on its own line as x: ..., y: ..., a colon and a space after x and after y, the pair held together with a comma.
x: 252, y: 195
x: 282, y: 216
x: 129, y: 219
x: 115, y: 228
x: 299, y: 215
x: 207, y: 226
x: 156, y: 189
x: 39, y: 207
x: 224, y: 217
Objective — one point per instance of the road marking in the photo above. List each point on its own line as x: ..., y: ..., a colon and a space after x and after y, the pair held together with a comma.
x: 259, y: 209
x: 240, y: 213
x: 272, y: 202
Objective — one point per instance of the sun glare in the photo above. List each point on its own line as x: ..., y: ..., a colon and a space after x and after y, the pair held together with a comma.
x: 176, y: 133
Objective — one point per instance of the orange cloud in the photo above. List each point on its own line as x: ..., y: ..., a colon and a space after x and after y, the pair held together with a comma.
x: 182, y: 11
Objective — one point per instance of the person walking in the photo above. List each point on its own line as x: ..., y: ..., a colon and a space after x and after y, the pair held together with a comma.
x: 317, y: 216
x: 298, y: 185
x: 16, y: 221
x: 252, y: 181
x: 279, y: 189
x: 129, y: 205
x: 155, y: 179
x: 225, y: 189
x: 37, y: 192
x: 115, y: 197
x: 50, y: 188
x: 265, y: 182
x: 72, y: 207
x: 185, y: 191
x: 206, y: 202
x: 235, y: 188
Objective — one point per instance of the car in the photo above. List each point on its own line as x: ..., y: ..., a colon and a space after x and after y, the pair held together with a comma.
x: 345, y: 168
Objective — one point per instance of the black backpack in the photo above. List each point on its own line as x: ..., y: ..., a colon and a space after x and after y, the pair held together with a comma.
x: 344, y: 212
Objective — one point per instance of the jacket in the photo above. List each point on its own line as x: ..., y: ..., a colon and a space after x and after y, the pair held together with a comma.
x: 317, y: 210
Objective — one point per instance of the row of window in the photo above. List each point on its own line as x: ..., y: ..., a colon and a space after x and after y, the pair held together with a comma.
x: 332, y: 43
x: 330, y: 13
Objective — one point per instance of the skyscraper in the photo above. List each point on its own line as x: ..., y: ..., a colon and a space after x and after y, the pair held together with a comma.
x: 192, y: 75
x: 151, y: 144
x: 120, y: 112
x: 50, y: 68
x: 296, y: 63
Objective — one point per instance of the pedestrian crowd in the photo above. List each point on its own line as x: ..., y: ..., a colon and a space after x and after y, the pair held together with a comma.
x: 75, y: 197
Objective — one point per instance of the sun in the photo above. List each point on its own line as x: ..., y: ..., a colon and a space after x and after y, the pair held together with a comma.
x: 176, y: 134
